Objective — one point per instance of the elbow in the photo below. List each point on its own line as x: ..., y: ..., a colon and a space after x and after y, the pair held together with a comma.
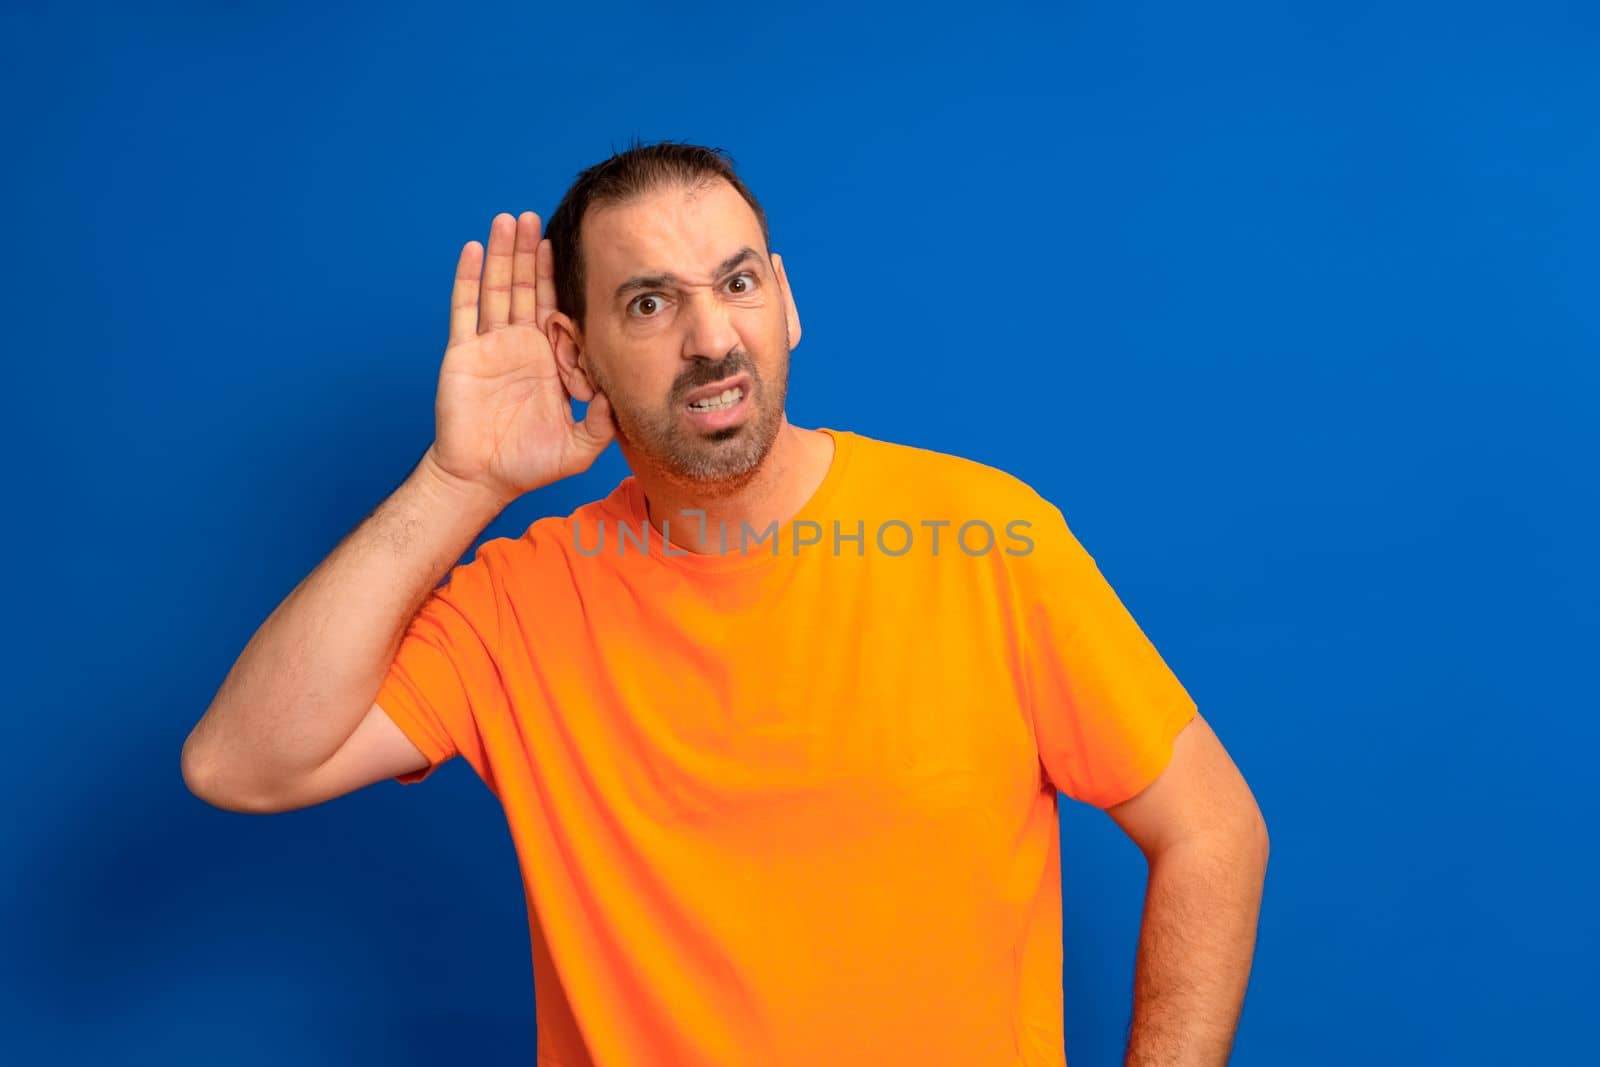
x: 192, y: 766
x: 1260, y: 842
x: 202, y: 778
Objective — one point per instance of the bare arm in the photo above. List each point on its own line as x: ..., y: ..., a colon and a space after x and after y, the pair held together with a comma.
x: 294, y: 722
x: 1206, y: 844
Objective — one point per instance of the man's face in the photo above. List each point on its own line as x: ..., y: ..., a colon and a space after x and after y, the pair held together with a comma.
x: 681, y: 299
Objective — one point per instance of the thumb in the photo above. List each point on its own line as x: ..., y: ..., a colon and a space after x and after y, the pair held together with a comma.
x: 597, y: 428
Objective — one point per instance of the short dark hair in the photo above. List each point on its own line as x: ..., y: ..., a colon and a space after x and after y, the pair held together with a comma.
x: 626, y: 176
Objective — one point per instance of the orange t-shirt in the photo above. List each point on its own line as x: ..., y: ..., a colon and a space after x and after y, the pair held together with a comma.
x: 794, y: 803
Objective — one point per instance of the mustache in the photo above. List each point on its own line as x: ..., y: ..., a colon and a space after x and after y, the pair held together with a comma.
x: 709, y: 374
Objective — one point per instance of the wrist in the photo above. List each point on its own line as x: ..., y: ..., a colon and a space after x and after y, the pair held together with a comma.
x: 458, y: 491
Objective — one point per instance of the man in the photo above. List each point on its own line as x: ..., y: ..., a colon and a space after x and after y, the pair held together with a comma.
x: 778, y: 725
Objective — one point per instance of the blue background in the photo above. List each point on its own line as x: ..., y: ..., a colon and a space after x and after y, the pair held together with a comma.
x: 1292, y: 308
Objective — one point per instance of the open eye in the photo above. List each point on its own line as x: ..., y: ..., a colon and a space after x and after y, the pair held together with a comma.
x: 744, y: 274
x: 653, y: 298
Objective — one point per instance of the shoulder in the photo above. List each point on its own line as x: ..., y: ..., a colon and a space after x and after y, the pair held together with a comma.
x: 550, y: 542
x: 926, y: 483
x: 920, y: 475
x: 544, y: 543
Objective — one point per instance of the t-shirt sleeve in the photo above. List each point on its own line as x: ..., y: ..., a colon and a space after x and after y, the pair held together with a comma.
x: 1106, y: 708
x: 445, y: 684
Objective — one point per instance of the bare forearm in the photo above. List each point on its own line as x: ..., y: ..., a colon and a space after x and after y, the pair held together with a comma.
x: 308, y: 675
x: 1196, y: 943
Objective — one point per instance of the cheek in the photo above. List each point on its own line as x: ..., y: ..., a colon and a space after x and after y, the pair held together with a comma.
x: 648, y: 392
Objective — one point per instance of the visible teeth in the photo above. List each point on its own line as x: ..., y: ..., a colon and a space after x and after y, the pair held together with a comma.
x: 728, y: 398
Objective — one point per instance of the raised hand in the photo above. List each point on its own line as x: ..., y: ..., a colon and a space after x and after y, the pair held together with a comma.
x: 504, y: 416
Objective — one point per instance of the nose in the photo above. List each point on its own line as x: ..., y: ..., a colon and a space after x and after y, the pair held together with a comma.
x: 710, y: 332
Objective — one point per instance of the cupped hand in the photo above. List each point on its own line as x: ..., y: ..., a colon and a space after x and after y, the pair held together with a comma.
x: 504, y: 415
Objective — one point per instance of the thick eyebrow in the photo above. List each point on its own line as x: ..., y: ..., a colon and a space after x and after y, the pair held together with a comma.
x: 664, y: 281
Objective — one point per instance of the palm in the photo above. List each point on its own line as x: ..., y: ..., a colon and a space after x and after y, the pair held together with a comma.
x: 504, y: 415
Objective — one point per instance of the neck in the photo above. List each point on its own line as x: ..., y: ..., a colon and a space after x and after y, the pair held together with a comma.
x: 777, y: 489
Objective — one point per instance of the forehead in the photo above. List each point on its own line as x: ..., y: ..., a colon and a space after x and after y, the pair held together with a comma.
x: 673, y: 230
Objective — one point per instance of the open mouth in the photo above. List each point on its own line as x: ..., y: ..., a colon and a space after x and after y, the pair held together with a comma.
x: 725, y: 399
x: 722, y: 405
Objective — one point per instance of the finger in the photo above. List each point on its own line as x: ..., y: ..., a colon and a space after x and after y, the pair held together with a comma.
x: 523, y: 270
x: 464, y: 294
x: 545, y: 289
x: 495, y: 299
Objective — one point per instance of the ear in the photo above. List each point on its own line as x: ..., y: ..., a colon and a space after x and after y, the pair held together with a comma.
x: 566, y: 341
x: 791, y: 312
